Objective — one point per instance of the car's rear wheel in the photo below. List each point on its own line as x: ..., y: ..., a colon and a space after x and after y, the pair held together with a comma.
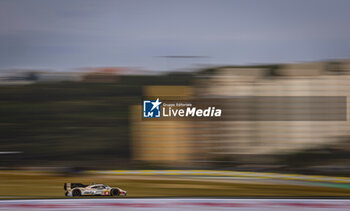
x: 115, y: 192
x: 76, y: 193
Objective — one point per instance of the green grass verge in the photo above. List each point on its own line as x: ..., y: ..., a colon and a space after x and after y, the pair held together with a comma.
x: 30, y: 185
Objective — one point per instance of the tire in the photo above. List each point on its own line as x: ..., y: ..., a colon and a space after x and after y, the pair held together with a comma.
x: 115, y: 192
x: 76, y: 192
x: 66, y: 194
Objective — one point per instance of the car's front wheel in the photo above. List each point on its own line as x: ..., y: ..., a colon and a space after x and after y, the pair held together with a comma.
x: 115, y: 192
x: 76, y: 193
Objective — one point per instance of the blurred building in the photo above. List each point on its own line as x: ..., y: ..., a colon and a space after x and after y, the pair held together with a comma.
x: 276, y: 137
x: 163, y: 142
x: 193, y: 143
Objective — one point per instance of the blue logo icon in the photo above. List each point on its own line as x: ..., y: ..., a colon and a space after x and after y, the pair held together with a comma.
x: 151, y: 108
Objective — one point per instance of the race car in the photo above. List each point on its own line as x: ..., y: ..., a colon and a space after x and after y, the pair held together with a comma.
x: 78, y: 189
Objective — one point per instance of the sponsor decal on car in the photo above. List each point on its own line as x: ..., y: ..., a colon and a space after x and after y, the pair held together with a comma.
x: 88, y: 192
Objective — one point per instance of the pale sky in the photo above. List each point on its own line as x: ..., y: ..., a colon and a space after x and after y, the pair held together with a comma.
x: 65, y: 34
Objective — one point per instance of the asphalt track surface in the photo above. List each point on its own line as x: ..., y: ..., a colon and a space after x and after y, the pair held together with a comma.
x: 176, y: 204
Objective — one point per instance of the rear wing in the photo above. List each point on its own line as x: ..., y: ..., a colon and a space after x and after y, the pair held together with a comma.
x: 69, y: 186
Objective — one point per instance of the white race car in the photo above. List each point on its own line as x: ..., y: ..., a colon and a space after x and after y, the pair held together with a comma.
x: 78, y: 189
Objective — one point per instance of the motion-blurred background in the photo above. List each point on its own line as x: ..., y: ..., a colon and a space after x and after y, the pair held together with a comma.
x: 74, y: 73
